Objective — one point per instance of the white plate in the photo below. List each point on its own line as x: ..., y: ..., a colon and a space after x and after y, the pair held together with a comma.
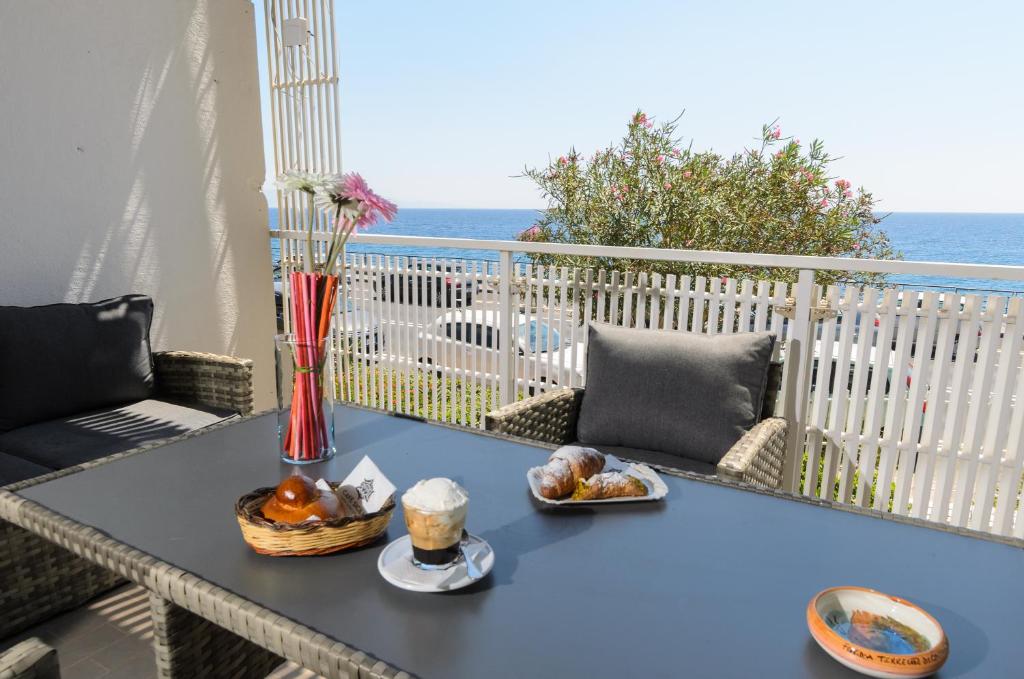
x: 395, y: 564
x: 656, y: 488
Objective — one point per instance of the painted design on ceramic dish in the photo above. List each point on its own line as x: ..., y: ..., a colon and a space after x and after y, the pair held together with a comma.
x: 878, y: 633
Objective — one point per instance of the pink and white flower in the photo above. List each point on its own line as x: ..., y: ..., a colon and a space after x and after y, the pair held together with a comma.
x: 351, y: 194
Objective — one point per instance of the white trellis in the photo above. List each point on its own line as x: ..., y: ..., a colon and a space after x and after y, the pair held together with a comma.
x: 302, y: 77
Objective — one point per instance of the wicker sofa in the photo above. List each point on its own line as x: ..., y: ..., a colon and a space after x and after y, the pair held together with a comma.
x: 30, y: 659
x: 756, y: 458
x: 187, y: 391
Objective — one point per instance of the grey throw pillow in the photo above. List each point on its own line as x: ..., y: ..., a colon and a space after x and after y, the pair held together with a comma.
x: 64, y: 359
x: 681, y: 393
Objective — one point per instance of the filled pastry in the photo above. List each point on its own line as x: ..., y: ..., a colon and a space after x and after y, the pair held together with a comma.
x: 608, y: 485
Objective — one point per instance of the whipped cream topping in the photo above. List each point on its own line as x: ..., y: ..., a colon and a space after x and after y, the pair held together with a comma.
x: 436, y: 495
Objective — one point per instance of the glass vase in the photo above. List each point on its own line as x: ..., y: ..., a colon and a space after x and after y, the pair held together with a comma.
x: 305, y: 400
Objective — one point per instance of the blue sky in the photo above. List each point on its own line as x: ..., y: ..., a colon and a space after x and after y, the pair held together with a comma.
x: 444, y: 102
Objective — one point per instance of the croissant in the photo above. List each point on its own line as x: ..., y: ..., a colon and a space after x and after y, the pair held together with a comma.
x: 565, y: 467
x: 609, y: 484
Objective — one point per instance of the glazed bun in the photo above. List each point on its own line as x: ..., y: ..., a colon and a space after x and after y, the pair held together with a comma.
x: 297, y: 499
x: 296, y: 491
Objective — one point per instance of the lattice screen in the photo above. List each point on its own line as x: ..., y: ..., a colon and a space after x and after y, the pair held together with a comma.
x: 302, y: 72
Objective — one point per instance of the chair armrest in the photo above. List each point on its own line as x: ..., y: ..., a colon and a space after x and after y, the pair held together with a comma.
x: 758, y: 456
x: 206, y: 379
x: 549, y: 417
x: 31, y: 659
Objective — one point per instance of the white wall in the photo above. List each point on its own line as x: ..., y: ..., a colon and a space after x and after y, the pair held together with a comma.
x: 131, y: 159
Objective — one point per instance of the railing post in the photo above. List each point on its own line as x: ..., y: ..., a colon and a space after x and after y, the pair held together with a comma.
x: 506, y: 329
x: 801, y: 350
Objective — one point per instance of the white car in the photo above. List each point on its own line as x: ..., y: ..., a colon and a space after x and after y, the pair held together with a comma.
x: 472, y: 339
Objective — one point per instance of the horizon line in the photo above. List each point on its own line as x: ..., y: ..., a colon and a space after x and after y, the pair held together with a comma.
x: 532, y: 209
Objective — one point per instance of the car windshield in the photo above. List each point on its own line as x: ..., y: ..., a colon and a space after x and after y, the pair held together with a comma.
x: 538, y: 336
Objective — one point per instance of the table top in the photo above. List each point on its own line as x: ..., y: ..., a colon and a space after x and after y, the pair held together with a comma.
x: 712, y: 581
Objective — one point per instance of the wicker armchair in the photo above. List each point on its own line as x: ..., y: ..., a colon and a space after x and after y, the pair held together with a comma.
x: 207, y: 379
x: 551, y: 418
x: 38, y: 579
x: 31, y: 659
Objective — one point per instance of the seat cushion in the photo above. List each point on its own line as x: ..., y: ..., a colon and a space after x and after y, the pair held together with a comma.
x: 685, y: 394
x: 13, y: 469
x: 654, y: 457
x: 68, y: 441
x: 62, y: 359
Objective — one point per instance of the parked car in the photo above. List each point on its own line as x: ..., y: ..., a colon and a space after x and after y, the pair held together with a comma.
x: 456, y: 339
x: 425, y: 287
x: 361, y: 329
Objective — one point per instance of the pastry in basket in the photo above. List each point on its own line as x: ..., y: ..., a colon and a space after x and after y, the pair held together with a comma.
x: 297, y: 500
x: 608, y: 485
x: 566, y: 467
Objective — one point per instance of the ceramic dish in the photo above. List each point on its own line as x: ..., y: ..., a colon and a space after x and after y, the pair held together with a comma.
x: 877, y: 634
x: 656, y: 488
x: 396, y: 566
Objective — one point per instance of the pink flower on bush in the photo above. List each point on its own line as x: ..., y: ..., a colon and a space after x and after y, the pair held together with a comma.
x: 777, y: 133
x: 562, y: 160
x: 778, y: 154
x: 687, y: 174
x: 848, y: 193
x: 842, y: 184
x: 689, y: 243
x: 661, y: 158
x: 532, y: 233
x: 824, y: 202
x: 640, y: 118
x: 668, y: 185
x: 676, y: 152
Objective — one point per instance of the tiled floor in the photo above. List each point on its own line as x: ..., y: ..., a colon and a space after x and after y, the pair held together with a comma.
x: 110, y: 639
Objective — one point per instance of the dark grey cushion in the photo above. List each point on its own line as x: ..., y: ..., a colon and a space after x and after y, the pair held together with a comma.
x: 653, y: 457
x: 681, y: 393
x: 65, y: 442
x: 14, y: 469
x: 63, y: 359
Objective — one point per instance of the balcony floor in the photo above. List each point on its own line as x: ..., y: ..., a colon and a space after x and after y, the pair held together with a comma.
x: 110, y: 638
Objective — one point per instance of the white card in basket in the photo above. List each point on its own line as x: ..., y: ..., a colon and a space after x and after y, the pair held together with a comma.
x: 656, y: 488
x: 374, y: 488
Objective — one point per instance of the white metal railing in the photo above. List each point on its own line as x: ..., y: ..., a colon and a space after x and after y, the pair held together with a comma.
x: 902, y: 400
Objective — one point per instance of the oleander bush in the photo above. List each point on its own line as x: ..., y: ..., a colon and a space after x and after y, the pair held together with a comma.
x: 651, y: 190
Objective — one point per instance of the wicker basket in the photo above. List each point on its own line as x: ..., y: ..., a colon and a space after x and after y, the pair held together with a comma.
x: 310, y: 538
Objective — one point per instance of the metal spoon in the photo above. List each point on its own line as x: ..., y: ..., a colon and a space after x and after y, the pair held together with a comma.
x: 471, y: 568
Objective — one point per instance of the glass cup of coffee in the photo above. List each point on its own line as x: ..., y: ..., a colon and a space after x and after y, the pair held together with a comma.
x: 435, y: 514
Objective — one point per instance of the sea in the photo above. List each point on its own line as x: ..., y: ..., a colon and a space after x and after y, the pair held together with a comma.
x: 980, y: 238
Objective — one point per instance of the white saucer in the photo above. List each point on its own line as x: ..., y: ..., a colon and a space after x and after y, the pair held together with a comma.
x: 395, y: 564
